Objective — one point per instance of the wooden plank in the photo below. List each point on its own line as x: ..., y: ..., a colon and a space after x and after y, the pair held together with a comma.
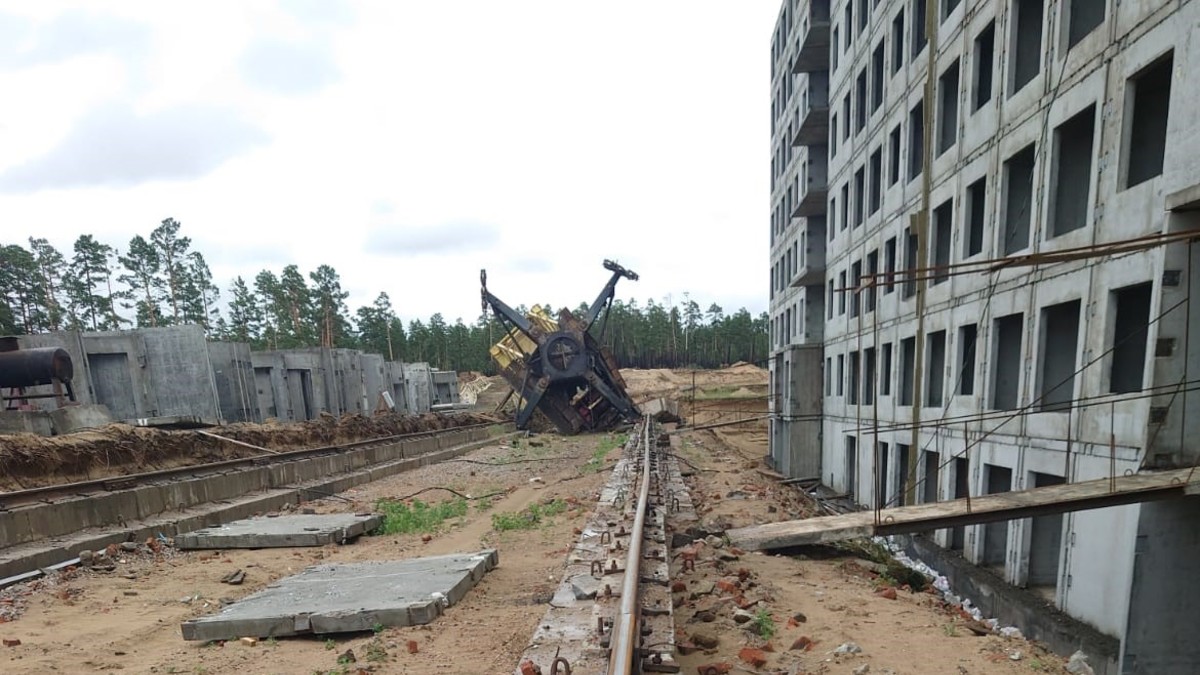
x: 983, y: 509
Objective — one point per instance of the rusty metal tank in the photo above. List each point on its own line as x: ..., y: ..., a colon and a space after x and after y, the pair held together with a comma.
x: 34, y: 367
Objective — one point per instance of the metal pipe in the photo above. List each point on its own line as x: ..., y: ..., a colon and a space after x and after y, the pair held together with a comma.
x: 627, y: 621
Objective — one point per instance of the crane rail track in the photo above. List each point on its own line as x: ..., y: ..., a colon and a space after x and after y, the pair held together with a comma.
x: 48, y: 493
x: 596, y: 625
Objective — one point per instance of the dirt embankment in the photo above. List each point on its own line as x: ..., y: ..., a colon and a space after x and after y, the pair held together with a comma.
x: 28, y: 460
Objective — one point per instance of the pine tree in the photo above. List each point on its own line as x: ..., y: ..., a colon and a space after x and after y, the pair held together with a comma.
x: 269, y: 294
x: 295, y: 309
x: 199, y: 296
x: 172, y: 252
x: 142, y: 267
x: 20, y: 291
x: 376, y: 328
x: 245, y: 315
x: 329, y: 306
x: 89, y: 286
x: 50, y: 266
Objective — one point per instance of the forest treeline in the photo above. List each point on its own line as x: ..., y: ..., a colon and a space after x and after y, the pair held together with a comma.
x: 161, y: 280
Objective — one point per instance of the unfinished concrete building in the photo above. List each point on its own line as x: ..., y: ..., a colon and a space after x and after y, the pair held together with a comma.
x: 1011, y: 187
x: 173, y: 372
x: 800, y: 119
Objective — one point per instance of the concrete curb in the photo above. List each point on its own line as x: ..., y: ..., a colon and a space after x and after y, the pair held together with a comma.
x: 53, y: 534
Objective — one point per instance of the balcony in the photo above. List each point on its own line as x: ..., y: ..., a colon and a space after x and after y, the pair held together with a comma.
x: 812, y: 254
x: 812, y: 42
x: 813, y: 186
x: 813, y: 123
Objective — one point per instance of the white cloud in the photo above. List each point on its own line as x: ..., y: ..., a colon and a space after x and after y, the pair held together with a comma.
x: 114, y: 147
x: 288, y: 68
x: 446, y: 238
x: 533, y: 138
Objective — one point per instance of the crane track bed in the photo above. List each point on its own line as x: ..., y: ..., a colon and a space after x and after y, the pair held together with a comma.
x: 604, y: 616
x: 49, y: 532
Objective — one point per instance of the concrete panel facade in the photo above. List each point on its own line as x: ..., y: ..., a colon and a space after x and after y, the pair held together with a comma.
x: 1060, y: 135
x: 173, y: 371
x: 234, y: 379
x: 445, y: 386
x: 418, y: 382
x: 144, y: 373
x: 372, y: 370
x: 270, y: 386
x: 396, y: 384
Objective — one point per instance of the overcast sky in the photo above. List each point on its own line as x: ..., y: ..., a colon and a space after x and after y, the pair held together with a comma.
x: 407, y: 144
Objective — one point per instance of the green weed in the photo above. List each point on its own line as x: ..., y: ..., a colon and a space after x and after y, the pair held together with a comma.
x: 949, y: 630
x: 764, y: 625
x: 606, y: 445
x: 375, y: 651
x: 401, y: 518
x: 528, y: 518
x: 330, y: 644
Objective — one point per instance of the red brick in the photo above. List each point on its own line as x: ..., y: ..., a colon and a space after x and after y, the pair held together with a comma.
x: 802, y: 643
x: 678, y: 587
x: 754, y: 657
x: 727, y: 586
x: 528, y: 668
x: 889, y: 593
x: 413, y: 647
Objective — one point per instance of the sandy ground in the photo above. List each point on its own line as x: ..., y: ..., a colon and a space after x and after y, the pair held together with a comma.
x: 129, y: 619
x: 99, y: 622
x: 823, y: 603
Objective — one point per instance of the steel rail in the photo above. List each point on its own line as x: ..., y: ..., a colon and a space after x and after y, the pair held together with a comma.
x: 46, y: 492
x: 626, y: 627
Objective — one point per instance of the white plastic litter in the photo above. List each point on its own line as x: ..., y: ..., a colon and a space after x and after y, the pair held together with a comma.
x: 942, y: 585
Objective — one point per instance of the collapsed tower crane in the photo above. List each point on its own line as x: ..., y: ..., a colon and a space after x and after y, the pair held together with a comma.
x: 559, y: 367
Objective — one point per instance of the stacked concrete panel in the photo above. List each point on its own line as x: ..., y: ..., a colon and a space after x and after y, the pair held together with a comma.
x: 418, y: 383
x: 173, y: 371
x: 372, y: 370
x: 233, y: 377
x: 160, y: 372
x: 300, y: 384
x: 271, y: 386
x: 396, y: 385
x: 445, y: 387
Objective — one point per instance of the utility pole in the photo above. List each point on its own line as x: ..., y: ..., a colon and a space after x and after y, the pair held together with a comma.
x: 922, y: 225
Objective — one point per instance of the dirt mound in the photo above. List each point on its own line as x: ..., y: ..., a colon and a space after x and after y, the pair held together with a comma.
x: 465, y: 376
x: 678, y: 384
x: 743, y: 368
x: 330, y: 430
x: 28, y: 460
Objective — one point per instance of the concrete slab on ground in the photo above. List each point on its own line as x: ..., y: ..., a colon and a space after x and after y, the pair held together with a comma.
x: 349, y: 598
x: 282, y: 531
x: 173, y: 422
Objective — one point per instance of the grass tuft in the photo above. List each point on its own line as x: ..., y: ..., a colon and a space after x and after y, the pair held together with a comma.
x: 528, y: 518
x: 607, y: 445
x: 764, y: 625
x: 403, y: 518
